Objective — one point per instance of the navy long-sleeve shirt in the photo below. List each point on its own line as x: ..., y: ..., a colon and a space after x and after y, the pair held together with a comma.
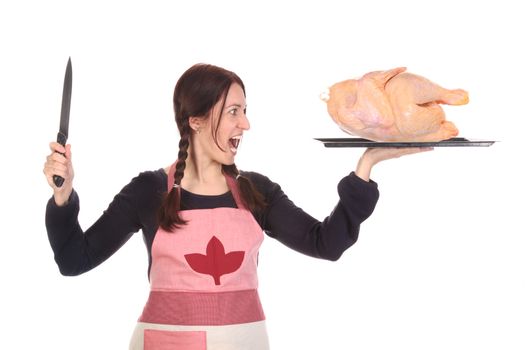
x: 135, y: 208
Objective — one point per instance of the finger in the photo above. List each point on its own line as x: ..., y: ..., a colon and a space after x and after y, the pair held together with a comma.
x: 68, y: 151
x: 57, y: 147
x: 395, y: 152
x: 57, y: 157
x: 54, y: 168
x: 57, y: 164
x: 50, y: 173
x: 413, y: 150
x: 423, y: 149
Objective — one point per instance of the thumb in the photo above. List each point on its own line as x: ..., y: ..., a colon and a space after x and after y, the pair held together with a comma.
x: 68, y: 151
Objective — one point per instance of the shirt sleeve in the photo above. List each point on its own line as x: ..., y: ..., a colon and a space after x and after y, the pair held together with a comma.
x: 327, y: 239
x: 77, y: 251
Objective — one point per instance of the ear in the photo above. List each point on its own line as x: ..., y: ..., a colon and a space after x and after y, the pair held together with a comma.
x: 196, y: 123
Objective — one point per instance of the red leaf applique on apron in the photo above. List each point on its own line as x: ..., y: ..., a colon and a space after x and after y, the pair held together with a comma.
x: 216, y: 262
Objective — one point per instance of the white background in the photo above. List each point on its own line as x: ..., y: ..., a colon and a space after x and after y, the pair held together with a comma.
x: 439, y: 265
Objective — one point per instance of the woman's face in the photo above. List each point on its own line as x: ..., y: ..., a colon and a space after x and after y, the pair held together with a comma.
x: 233, y: 123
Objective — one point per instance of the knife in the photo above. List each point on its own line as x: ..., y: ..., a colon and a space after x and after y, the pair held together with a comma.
x: 64, y: 114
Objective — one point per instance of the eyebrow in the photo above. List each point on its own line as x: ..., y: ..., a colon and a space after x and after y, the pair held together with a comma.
x: 235, y: 105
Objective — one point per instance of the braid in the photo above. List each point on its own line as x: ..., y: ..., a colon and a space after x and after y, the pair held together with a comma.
x: 251, y: 197
x: 169, y: 218
x: 184, y: 143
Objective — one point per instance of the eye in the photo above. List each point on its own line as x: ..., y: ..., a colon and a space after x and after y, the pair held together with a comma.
x: 233, y: 111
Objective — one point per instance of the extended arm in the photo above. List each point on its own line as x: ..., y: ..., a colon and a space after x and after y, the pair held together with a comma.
x: 326, y: 239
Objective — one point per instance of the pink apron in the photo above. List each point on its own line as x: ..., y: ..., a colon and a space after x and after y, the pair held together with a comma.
x: 204, y: 283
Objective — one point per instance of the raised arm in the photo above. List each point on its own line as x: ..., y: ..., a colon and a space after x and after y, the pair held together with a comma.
x: 77, y: 251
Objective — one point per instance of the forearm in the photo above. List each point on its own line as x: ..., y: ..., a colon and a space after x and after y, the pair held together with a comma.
x: 61, y: 195
x: 64, y: 233
x: 336, y: 233
x: 77, y: 251
x: 364, y: 168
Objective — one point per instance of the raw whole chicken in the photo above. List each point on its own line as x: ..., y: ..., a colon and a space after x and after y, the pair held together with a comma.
x: 394, y: 105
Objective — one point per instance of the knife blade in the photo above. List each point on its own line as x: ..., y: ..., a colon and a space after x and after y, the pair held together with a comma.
x: 64, y: 114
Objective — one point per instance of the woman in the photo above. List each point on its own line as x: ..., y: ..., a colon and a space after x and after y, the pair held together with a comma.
x: 203, y: 223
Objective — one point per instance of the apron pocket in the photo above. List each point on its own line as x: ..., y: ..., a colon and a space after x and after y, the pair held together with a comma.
x: 174, y: 340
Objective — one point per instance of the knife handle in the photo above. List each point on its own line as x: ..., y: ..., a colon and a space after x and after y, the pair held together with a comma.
x: 61, y: 139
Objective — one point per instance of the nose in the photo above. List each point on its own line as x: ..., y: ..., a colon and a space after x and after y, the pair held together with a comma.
x: 244, y: 123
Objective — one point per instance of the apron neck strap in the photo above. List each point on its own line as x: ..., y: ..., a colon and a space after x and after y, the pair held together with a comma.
x: 234, y: 188
x: 232, y: 185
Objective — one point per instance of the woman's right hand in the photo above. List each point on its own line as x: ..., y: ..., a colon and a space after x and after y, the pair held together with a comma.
x: 372, y: 156
x: 59, y: 163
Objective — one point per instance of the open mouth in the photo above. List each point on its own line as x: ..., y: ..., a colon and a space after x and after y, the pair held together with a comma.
x: 234, y: 143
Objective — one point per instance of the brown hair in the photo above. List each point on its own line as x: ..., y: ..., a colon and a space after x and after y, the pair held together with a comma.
x: 200, y: 88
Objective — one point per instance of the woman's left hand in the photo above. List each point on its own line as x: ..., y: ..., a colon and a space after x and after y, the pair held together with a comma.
x: 372, y: 156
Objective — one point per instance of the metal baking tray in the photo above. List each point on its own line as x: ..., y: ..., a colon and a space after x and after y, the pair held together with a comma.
x: 360, y: 142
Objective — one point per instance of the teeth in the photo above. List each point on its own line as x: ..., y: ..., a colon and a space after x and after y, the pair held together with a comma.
x: 234, y: 142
